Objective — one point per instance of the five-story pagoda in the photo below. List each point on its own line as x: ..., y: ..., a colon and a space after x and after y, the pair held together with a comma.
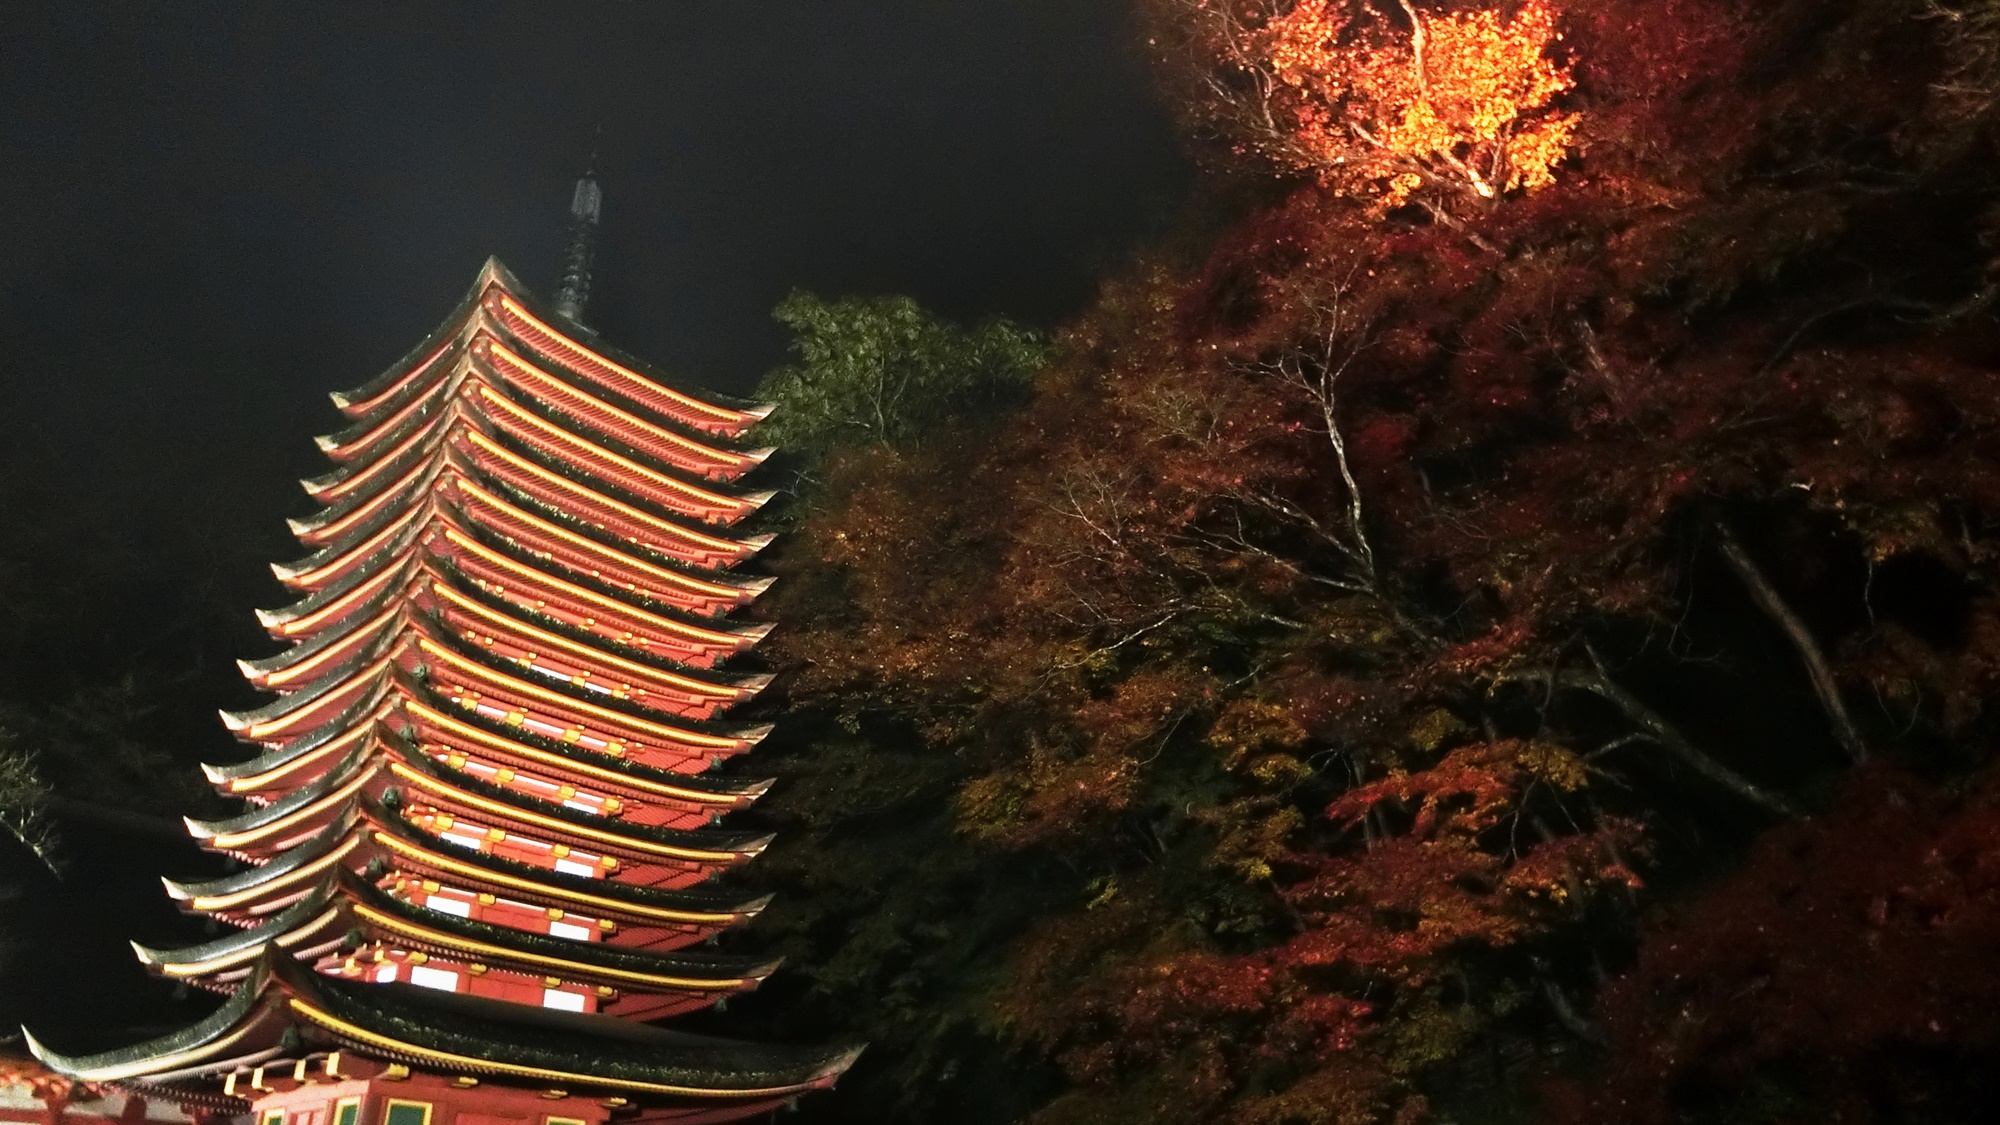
x: 482, y: 822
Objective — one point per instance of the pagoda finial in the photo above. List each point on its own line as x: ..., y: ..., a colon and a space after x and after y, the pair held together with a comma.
x: 585, y: 204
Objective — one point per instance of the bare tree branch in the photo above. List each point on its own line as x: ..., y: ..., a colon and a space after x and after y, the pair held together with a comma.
x: 1316, y: 373
x: 25, y: 802
x: 1566, y: 1014
x: 1593, y: 352
x: 1774, y: 607
x: 1418, y: 41
x: 1658, y: 730
x: 1449, y: 220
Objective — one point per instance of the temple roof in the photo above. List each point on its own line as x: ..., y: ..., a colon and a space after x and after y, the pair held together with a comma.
x: 283, y: 1008
x: 436, y: 777
x: 700, y: 964
x: 246, y: 1026
x: 641, y: 382
x: 348, y: 677
x: 287, y: 928
x: 327, y: 842
x: 609, y: 416
x: 368, y: 397
x: 343, y: 781
x: 350, y: 725
x: 531, y: 585
x: 353, y: 488
x: 362, y: 769
x: 313, y: 659
x: 367, y: 829
x: 661, y: 782
x: 416, y: 704
x: 461, y: 655
x: 626, y: 902
x: 630, y: 517
x: 373, y: 583
x: 671, y: 584
x: 344, y: 901
x: 619, y: 419
x: 358, y: 490
x: 360, y: 585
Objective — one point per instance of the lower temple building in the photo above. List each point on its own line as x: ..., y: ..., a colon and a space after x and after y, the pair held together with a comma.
x: 32, y: 1094
x: 484, y: 813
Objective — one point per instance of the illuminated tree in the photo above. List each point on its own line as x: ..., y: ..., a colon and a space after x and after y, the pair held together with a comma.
x: 24, y: 799
x: 1311, y: 669
x: 881, y: 371
x: 1377, y: 103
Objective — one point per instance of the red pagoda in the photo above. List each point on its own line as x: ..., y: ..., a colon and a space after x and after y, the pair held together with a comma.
x: 483, y: 820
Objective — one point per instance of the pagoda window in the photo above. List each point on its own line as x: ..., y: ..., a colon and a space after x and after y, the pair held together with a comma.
x: 445, y: 904
x: 402, y: 1112
x: 274, y: 1117
x: 347, y: 1111
x: 444, y: 980
x: 568, y: 795
x: 506, y: 912
x: 562, y: 1121
x: 562, y: 858
x: 563, y: 1000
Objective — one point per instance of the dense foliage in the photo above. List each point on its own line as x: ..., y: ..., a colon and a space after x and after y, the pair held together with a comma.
x: 1409, y: 658
x: 1847, y: 967
x: 880, y: 371
x: 1387, y: 103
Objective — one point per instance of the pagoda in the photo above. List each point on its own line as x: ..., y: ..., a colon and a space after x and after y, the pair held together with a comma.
x: 483, y: 817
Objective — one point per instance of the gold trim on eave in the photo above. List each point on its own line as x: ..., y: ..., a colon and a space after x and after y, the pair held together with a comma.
x: 362, y: 1035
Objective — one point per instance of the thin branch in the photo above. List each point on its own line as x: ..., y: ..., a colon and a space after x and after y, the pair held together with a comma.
x: 1619, y: 743
x: 1356, y: 525
x: 1418, y: 42
x: 1660, y: 732
x: 1774, y: 607
x: 34, y: 837
x: 1320, y: 386
x: 1445, y: 217
x: 1599, y: 682
x: 1977, y: 301
x: 1595, y: 354
x: 1572, y: 1020
x: 25, y: 802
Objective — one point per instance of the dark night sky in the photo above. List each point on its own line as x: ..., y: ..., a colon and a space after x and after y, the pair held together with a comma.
x: 215, y: 213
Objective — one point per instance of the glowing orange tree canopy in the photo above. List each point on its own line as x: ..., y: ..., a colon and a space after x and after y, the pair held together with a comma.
x: 1379, y: 98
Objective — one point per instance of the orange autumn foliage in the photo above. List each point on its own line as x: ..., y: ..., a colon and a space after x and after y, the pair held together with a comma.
x: 1382, y: 102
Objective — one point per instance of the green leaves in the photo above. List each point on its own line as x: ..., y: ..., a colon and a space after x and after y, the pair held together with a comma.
x: 883, y: 372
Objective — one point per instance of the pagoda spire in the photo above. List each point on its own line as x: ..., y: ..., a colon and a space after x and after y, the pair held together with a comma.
x: 586, y: 203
